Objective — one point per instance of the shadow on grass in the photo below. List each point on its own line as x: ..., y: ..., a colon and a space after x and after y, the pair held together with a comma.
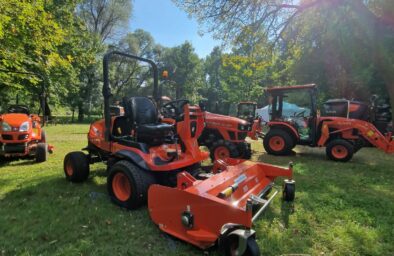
x: 54, y: 216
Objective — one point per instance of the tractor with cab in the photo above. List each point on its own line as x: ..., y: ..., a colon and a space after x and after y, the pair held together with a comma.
x: 157, y: 161
x: 295, y: 120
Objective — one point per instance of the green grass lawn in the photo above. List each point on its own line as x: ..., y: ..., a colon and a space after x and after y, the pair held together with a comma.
x: 340, y: 208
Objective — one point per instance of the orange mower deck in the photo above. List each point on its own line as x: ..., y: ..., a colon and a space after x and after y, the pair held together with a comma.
x: 204, y: 208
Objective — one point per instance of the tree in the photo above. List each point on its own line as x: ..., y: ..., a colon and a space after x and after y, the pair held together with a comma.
x: 185, y: 71
x: 228, y: 18
x: 35, y: 38
x: 103, y: 19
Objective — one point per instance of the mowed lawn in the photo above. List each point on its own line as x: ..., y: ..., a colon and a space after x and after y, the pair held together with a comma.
x: 340, y: 208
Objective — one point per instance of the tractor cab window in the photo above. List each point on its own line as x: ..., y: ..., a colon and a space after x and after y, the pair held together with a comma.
x: 294, y: 107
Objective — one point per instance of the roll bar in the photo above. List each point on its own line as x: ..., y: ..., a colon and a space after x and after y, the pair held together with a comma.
x: 107, y: 89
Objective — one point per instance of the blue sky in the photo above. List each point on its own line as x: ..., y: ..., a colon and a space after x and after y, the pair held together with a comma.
x: 169, y: 25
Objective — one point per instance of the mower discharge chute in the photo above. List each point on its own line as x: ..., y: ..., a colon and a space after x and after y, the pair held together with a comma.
x: 158, y: 160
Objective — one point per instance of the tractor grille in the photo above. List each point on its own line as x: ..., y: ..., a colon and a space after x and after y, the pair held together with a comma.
x: 242, y: 135
x: 14, y: 148
x: 6, y: 137
x: 23, y: 137
x: 232, y: 135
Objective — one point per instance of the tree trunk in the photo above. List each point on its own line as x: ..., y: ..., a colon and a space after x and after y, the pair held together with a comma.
x: 73, y: 115
x: 81, y: 112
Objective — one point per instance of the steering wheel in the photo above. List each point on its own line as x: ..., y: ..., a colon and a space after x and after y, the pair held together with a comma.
x: 300, y: 114
x: 18, y: 109
x: 174, y: 109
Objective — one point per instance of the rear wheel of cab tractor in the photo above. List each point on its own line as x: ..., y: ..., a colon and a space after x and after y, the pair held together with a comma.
x: 231, y: 245
x: 76, y: 166
x: 128, y: 185
x: 288, y: 190
x: 278, y: 142
x: 339, y: 150
x: 41, y: 152
x: 222, y: 149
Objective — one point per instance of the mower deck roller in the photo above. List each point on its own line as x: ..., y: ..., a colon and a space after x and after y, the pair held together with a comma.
x: 203, y: 212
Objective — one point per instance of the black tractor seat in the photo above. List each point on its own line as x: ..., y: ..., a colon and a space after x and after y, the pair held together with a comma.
x: 145, y: 119
x: 154, y: 129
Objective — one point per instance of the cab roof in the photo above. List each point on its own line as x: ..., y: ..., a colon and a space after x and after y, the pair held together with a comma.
x: 292, y: 87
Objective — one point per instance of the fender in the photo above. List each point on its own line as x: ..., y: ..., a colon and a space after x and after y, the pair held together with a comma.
x: 292, y: 130
x: 132, y: 157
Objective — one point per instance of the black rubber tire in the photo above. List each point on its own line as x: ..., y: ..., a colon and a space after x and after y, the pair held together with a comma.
x: 43, y: 137
x: 289, y: 142
x: 79, y: 164
x: 41, y: 152
x: 140, y: 181
x: 232, y: 148
x: 349, y: 147
x: 244, y: 149
x: 288, y: 193
x: 252, y: 249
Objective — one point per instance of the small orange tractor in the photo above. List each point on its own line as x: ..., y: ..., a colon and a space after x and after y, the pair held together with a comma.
x: 225, y: 135
x: 295, y: 121
x: 158, y: 161
x: 21, y: 135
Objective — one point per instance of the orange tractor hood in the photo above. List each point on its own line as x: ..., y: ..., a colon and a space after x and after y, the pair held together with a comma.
x: 14, y: 119
x: 220, y: 119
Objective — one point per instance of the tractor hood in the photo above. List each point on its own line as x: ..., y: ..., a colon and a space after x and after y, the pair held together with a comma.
x: 212, y: 120
x: 14, y: 119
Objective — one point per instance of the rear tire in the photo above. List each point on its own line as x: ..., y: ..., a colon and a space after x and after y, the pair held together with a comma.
x: 128, y: 185
x: 76, y: 166
x: 222, y: 149
x: 278, y: 142
x: 244, y: 150
x: 43, y: 137
x: 41, y: 152
x: 339, y: 150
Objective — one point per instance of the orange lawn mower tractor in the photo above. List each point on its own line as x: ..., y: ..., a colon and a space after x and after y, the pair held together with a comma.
x: 21, y: 135
x: 155, y: 161
x: 295, y: 121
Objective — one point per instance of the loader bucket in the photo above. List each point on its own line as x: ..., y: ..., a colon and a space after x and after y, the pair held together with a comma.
x: 196, y: 210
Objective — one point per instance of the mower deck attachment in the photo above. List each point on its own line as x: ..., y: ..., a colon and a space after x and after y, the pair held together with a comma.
x: 198, y: 211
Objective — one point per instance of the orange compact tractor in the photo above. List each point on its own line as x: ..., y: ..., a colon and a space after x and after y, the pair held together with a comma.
x: 158, y: 161
x: 21, y: 135
x: 225, y: 135
x: 295, y: 120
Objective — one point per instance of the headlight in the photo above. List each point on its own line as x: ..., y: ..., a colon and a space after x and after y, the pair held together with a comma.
x: 5, y: 127
x: 24, y: 127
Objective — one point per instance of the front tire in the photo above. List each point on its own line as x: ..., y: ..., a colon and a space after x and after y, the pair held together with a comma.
x: 41, y: 152
x: 223, y: 149
x: 278, y: 142
x: 76, y: 166
x: 288, y: 190
x: 128, y: 185
x: 339, y: 150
